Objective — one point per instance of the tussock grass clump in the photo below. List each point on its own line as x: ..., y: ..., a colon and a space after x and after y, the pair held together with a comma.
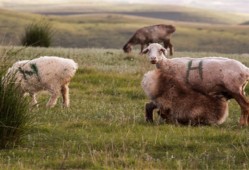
x: 14, y: 117
x: 38, y: 34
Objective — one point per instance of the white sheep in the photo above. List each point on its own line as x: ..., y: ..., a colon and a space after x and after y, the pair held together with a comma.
x: 214, y: 76
x: 49, y: 73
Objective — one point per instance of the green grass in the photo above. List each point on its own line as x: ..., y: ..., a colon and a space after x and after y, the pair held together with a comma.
x: 105, y: 127
x: 14, y: 110
x: 38, y: 34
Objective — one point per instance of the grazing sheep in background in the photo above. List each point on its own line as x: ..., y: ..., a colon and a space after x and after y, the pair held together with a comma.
x: 49, y: 73
x: 151, y: 34
x: 214, y: 76
x: 179, y: 104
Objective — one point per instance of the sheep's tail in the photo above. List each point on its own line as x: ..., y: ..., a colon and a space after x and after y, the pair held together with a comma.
x: 72, y: 69
x: 76, y: 66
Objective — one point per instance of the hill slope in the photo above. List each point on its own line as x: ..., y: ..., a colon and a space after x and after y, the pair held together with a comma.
x: 112, y: 30
x: 161, y: 11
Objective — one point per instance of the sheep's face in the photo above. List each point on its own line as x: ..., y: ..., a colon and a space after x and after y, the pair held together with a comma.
x: 155, y: 52
x: 127, y: 48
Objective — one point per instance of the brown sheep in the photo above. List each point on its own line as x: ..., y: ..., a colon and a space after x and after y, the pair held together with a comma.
x: 178, y: 104
x: 151, y: 34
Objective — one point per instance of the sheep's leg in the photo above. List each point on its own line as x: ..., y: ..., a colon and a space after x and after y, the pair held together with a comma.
x: 164, y: 113
x: 65, y: 95
x: 171, y: 49
x: 142, y: 48
x: 53, y: 99
x: 244, y: 118
x: 244, y: 105
x: 149, y: 107
x: 168, y: 116
x: 248, y: 119
x: 167, y: 44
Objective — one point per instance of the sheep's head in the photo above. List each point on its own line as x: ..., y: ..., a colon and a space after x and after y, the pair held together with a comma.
x: 155, y: 52
x: 127, y: 48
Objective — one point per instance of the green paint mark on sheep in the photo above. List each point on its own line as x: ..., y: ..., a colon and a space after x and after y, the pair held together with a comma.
x: 34, y: 68
x: 28, y: 73
x: 199, y: 68
x: 23, y: 73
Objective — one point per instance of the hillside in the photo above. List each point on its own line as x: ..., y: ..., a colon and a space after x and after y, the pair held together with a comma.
x: 245, y: 23
x: 112, y: 29
x: 162, y: 11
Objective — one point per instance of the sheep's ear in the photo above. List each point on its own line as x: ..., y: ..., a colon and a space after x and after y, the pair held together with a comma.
x: 164, y: 51
x: 145, y: 51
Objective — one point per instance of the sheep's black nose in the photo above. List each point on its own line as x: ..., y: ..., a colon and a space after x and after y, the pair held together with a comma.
x: 153, y: 61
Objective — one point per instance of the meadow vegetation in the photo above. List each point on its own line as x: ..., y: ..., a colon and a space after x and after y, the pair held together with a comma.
x: 14, y: 116
x: 38, y: 34
x: 112, y: 29
x: 105, y: 127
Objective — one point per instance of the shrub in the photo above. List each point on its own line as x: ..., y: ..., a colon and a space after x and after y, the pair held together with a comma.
x: 14, y: 116
x: 38, y: 34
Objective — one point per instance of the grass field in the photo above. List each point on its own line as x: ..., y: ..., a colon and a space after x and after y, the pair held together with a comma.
x: 105, y: 128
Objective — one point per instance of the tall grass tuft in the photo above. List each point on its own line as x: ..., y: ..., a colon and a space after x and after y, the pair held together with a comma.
x: 14, y: 116
x: 38, y: 34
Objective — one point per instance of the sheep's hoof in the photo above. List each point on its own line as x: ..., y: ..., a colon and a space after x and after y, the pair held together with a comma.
x: 149, y: 120
x: 65, y: 106
x: 35, y: 105
x: 49, y: 106
x: 244, y: 121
